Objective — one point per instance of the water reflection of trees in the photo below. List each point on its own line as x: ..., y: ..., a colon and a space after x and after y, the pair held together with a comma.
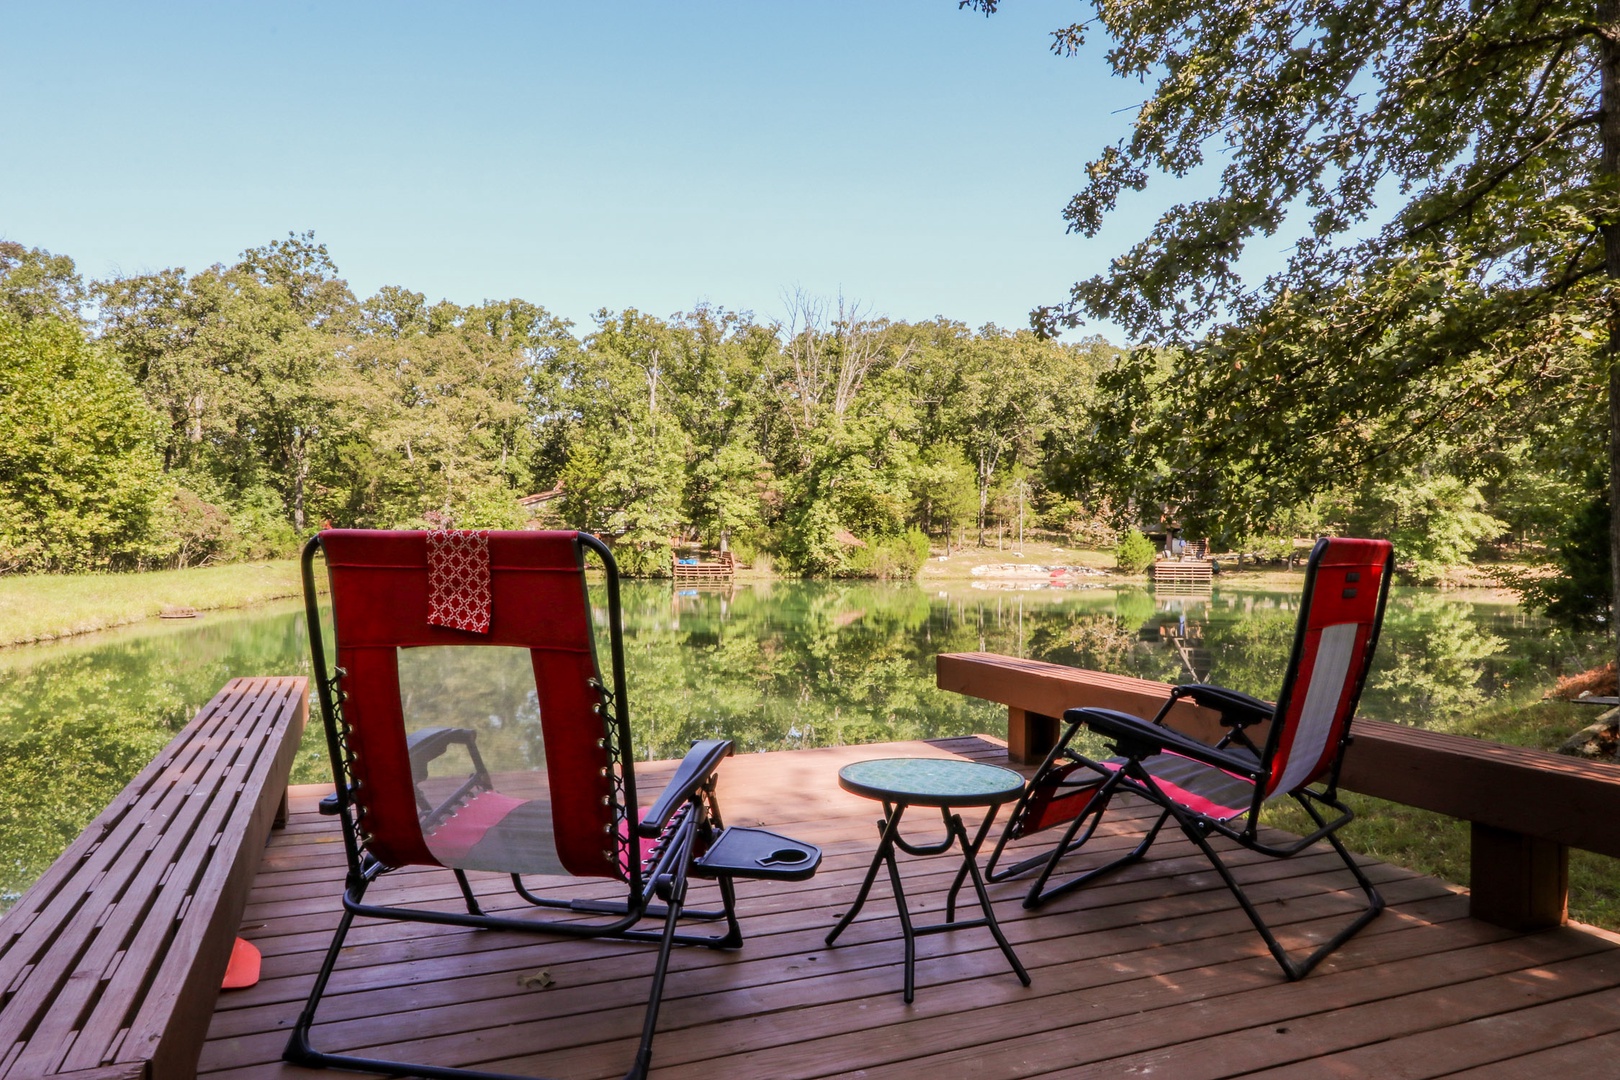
x: 78, y: 721
x: 822, y: 664
x: 805, y: 665
x: 1435, y: 661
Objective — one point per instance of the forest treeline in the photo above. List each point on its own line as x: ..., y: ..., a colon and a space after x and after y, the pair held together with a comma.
x: 175, y: 418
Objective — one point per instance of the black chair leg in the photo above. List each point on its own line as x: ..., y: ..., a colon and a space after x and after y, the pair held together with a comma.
x: 1039, y: 894
x: 467, y: 893
x: 1292, y: 968
x: 649, y: 1026
x: 299, y: 1051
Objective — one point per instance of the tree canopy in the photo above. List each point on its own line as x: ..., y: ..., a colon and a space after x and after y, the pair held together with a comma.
x: 1443, y: 174
x: 243, y: 405
x: 76, y: 448
x: 240, y: 407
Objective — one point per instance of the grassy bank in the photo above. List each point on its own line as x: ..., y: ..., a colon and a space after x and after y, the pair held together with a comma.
x: 958, y: 565
x: 47, y: 606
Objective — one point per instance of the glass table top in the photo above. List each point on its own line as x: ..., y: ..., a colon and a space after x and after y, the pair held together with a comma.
x: 931, y: 781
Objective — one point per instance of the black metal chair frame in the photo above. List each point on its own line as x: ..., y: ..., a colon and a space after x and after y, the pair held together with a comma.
x: 681, y: 824
x: 1138, y: 744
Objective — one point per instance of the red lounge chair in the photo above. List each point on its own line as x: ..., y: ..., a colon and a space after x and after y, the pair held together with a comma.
x: 418, y: 621
x: 1292, y: 748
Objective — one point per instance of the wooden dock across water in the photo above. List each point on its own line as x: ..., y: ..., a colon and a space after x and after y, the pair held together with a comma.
x: 1182, y: 572
x: 1153, y: 972
x: 696, y: 572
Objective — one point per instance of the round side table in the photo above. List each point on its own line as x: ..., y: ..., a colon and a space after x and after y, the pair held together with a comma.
x: 946, y: 783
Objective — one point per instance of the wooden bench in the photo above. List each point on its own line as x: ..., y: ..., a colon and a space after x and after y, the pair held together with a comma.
x: 1527, y: 808
x: 110, y: 964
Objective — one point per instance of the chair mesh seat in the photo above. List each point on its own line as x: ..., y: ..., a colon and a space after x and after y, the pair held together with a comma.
x: 497, y: 832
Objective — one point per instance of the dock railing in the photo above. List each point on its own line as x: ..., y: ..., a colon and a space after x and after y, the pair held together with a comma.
x: 1526, y: 808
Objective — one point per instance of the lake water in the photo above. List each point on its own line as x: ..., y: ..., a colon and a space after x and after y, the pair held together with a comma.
x: 773, y: 666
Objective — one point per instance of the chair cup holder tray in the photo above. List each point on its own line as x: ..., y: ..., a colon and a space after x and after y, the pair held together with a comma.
x: 758, y: 853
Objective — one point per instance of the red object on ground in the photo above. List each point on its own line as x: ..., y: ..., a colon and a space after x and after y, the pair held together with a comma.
x: 243, y: 969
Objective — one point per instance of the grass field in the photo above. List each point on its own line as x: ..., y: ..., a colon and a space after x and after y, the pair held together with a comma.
x: 47, y: 606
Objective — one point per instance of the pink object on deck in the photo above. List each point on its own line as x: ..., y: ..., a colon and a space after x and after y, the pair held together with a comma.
x: 243, y: 968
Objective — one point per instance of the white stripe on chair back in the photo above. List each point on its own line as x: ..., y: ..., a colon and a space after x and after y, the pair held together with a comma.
x: 1330, y: 673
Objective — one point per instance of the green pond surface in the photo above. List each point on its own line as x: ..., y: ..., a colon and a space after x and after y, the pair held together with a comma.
x: 773, y: 666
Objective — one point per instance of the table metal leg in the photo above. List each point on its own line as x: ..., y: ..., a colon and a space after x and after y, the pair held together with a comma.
x: 989, y: 919
x: 906, y: 929
x: 890, y: 828
x: 956, y: 834
x: 971, y: 860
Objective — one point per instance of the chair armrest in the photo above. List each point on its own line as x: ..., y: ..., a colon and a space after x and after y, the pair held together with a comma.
x: 425, y: 744
x: 1237, y: 709
x: 694, y: 771
x: 1136, y: 738
x: 428, y: 743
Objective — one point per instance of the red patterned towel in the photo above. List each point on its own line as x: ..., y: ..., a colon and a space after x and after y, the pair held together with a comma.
x: 458, y: 579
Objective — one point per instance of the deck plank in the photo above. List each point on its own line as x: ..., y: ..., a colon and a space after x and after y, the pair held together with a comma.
x: 1511, y: 1035
x: 1153, y: 968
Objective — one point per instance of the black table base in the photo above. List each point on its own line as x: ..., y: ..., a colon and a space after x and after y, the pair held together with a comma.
x: 955, y: 834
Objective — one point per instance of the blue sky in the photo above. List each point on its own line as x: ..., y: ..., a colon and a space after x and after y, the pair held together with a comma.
x: 581, y: 155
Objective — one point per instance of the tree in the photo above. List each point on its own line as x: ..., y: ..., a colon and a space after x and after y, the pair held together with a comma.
x: 724, y: 493
x: 1009, y: 391
x: 34, y: 284
x: 717, y: 383
x: 1134, y: 553
x: 944, y: 490
x: 825, y: 361
x: 241, y: 361
x: 166, y: 328
x: 1579, y: 595
x: 431, y: 410
x: 79, y: 479
x: 1434, y: 519
x: 303, y: 275
x: 625, y: 448
x: 1450, y: 175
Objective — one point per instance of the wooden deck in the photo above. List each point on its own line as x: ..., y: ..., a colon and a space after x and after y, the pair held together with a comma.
x: 1153, y: 972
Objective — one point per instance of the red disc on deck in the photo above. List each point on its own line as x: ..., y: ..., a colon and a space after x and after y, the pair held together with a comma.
x: 243, y: 969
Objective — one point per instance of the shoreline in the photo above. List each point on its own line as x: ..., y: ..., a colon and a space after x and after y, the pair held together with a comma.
x: 45, y: 608
x: 39, y: 609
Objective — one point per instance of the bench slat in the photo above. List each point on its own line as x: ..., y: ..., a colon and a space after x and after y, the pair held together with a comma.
x: 186, y: 989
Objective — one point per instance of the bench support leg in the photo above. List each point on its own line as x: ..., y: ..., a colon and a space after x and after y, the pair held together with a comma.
x: 1517, y: 881
x: 1030, y: 736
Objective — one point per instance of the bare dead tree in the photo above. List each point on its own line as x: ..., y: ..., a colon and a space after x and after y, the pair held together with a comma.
x: 831, y: 360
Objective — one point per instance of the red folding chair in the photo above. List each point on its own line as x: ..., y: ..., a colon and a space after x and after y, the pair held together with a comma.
x: 1292, y: 748
x: 424, y: 624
